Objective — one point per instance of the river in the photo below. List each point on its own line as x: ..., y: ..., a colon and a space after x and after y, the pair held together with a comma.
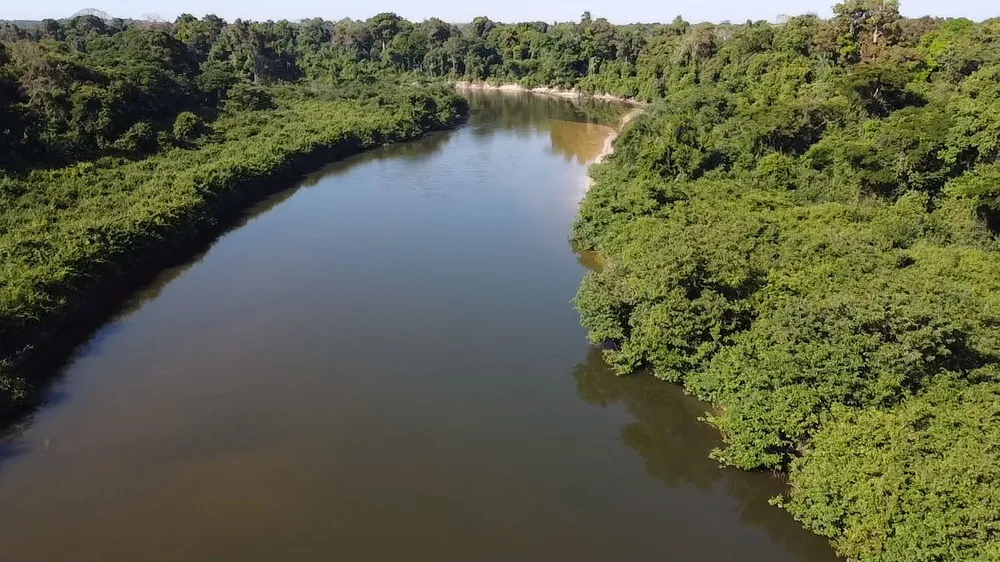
x: 382, y: 363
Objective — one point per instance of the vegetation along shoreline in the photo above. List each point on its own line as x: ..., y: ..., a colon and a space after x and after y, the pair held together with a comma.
x: 182, y: 209
x: 800, y: 227
x: 802, y: 232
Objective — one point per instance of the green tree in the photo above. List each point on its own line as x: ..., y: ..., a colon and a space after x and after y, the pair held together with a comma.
x: 384, y: 27
x: 139, y: 139
x: 248, y: 97
x: 866, y: 27
x: 482, y: 26
x: 11, y: 127
x: 187, y: 126
x: 198, y: 35
x: 215, y: 79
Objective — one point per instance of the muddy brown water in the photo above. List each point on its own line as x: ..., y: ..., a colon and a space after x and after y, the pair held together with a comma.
x: 382, y: 363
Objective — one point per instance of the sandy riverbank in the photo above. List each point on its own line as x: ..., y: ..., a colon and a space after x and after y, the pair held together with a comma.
x: 608, y: 146
x: 610, y: 140
x: 546, y: 91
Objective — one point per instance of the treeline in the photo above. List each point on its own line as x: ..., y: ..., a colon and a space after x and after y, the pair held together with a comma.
x: 86, y: 87
x: 803, y: 233
x: 83, y: 87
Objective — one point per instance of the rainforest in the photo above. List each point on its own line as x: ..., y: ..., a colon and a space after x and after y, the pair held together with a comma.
x: 799, y: 228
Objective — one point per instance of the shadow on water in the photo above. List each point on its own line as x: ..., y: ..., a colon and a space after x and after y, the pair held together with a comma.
x: 11, y: 450
x: 413, y: 151
x: 87, y: 336
x: 667, y: 433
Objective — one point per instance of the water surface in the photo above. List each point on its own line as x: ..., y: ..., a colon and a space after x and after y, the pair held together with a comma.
x: 383, y: 364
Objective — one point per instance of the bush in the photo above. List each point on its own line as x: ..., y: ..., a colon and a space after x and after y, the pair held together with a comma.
x: 247, y: 97
x: 187, y: 126
x: 917, y: 482
x: 140, y: 140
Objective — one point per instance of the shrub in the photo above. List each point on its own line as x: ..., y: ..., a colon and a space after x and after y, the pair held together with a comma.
x: 140, y: 139
x: 187, y: 126
x: 247, y: 97
x: 917, y: 482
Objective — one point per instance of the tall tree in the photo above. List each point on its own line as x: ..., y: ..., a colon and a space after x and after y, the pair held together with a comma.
x: 866, y: 27
x: 384, y: 27
x: 482, y: 26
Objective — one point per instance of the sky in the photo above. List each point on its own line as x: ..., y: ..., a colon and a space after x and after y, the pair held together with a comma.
x: 617, y: 11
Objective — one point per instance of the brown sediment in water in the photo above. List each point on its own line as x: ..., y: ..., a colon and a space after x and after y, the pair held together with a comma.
x: 609, y: 141
x: 571, y: 94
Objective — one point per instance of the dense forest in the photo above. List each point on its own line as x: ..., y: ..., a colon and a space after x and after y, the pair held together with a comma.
x: 803, y: 233
x: 800, y: 228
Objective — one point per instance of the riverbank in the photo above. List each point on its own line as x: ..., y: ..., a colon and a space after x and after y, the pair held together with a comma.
x: 544, y: 91
x: 804, y: 321
x: 74, y: 239
x: 328, y: 340
x: 609, y: 142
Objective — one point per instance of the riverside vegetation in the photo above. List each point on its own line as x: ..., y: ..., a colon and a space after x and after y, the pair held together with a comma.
x: 802, y: 233
x: 799, y: 229
x: 122, y: 143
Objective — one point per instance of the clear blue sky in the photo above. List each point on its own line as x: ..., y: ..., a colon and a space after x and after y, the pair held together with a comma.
x: 618, y: 11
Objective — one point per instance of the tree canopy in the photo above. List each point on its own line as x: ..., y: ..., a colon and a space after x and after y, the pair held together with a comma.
x: 803, y: 233
x: 801, y: 227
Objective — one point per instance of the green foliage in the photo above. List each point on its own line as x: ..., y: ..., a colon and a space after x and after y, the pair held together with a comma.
x: 915, y: 482
x: 139, y: 140
x: 864, y: 338
x: 187, y: 126
x: 981, y: 186
x: 801, y: 233
x: 67, y: 234
x: 214, y: 81
x: 865, y: 28
x: 11, y: 126
x: 76, y: 99
x: 247, y: 97
x: 13, y: 391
